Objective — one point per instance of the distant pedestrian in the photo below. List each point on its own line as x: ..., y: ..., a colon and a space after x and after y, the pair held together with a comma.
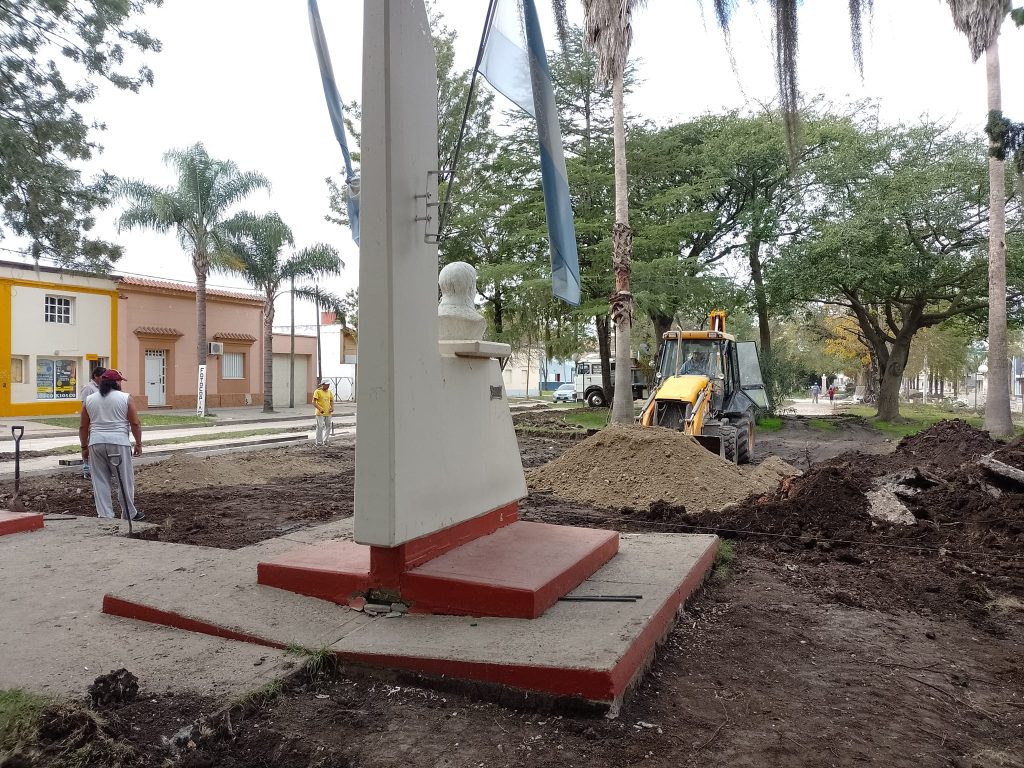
x: 323, y: 402
x: 91, y: 388
x: 103, y: 430
x: 815, y: 391
x: 832, y: 395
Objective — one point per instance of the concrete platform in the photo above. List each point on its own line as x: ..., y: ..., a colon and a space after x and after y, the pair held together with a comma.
x: 590, y: 651
x: 517, y: 571
x: 54, y: 639
x: 18, y: 522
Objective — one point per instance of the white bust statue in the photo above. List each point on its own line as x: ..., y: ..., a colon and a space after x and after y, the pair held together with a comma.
x: 457, y: 318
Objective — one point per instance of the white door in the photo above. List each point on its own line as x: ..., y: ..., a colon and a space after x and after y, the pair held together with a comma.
x: 282, y: 378
x: 156, y: 376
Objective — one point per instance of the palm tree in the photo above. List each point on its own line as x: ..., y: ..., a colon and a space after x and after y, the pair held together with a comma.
x: 196, y: 208
x: 980, y: 21
x: 609, y: 33
x: 257, y: 243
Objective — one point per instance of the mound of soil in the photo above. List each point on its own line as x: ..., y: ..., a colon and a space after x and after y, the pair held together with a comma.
x: 963, y: 553
x: 946, y: 445
x: 1012, y: 454
x: 635, y: 467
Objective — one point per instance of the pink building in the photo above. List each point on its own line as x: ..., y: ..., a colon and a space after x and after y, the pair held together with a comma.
x: 157, y: 343
x: 156, y: 326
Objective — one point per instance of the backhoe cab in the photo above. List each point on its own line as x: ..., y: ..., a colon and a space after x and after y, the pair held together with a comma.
x: 708, y: 385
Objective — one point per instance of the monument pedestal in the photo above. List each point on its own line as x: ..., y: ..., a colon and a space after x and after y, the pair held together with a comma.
x: 492, y: 565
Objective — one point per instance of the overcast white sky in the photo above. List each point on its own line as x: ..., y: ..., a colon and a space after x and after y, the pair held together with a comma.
x: 241, y: 76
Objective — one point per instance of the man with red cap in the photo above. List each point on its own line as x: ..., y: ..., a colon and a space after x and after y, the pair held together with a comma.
x: 103, y: 432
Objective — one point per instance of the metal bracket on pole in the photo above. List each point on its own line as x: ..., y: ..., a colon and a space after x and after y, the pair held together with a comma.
x: 433, y: 238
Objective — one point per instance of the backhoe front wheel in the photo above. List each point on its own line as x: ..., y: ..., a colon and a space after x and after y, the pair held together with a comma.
x: 745, y: 440
x: 729, y: 443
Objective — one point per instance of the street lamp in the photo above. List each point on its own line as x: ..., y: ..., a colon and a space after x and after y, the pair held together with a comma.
x: 979, y: 377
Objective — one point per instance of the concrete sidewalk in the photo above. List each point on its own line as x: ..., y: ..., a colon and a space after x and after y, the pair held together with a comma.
x: 54, y: 640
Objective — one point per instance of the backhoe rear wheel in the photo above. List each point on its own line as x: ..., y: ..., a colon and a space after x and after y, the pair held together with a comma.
x: 745, y: 440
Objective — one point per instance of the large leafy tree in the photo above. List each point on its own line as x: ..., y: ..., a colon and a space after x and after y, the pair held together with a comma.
x: 198, y: 209
x: 258, y: 243
x: 43, y: 135
x: 898, y: 239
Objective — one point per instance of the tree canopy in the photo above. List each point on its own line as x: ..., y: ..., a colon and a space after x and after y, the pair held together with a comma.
x: 53, y: 55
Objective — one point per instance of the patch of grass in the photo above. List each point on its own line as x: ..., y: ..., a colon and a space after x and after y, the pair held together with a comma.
x: 263, y: 695
x: 19, y: 716
x: 188, y: 439
x: 147, y: 419
x: 588, y: 419
x: 769, y: 423
x: 914, y: 418
x: 318, y: 663
x: 721, y: 570
x: 823, y: 425
x: 39, y: 731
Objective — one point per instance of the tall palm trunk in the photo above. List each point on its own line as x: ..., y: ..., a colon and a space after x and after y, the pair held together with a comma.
x: 622, y: 253
x: 268, y: 353
x: 997, y: 404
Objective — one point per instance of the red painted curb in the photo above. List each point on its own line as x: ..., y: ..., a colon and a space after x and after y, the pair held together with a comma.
x: 19, y: 522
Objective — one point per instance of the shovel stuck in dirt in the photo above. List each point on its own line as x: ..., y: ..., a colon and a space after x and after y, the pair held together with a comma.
x: 17, y: 505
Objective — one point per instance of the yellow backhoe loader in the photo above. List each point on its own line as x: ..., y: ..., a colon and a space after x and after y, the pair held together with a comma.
x: 708, y: 385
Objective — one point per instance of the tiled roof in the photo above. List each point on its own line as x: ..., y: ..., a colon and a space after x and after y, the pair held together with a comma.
x: 156, y: 330
x: 166, y: 285
x: 233, y: 336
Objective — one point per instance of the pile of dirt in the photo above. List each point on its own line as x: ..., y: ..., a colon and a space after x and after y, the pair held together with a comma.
x: 627, y: 466
x: 1012, y: 454
x: 962, y: 551
x: 946, y: 445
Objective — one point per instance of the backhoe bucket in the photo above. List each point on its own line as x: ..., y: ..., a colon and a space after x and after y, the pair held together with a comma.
x: 713, y: 443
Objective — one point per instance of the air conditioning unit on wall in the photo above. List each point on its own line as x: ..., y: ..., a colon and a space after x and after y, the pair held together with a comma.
x: 216, y: 348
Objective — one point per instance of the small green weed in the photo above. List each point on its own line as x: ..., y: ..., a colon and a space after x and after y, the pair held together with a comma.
x: 318, y: 663
x: 724, y: 559
x: 263, y: 695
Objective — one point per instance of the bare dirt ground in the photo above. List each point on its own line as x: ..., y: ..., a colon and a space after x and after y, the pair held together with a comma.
x: 799, y: 443
x: 833, y: 639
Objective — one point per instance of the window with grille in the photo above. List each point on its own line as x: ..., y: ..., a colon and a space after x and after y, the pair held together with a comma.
x: 233, y: 365
x: 57, y: 309
x: 18, y: 365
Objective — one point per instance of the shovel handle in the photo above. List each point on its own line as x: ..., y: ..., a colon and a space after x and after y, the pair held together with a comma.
x: 17, y: 431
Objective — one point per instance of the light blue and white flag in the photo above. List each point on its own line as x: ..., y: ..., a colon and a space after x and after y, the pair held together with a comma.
x: 516, y: 65
x: 337, y: 112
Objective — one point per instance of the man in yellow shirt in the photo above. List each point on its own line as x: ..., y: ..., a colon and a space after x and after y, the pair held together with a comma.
x: 323, y: 402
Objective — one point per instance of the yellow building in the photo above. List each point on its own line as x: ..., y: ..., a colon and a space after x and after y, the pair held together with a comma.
x: 55, y: 327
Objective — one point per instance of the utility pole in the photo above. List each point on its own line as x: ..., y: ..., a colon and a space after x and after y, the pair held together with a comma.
x: 319, y: 360
x: 291, y: 359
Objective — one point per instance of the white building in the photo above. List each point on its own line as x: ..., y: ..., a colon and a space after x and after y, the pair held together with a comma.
x: 55, y: 326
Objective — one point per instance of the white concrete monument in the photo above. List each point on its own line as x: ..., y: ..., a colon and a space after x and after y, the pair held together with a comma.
x: 435, y: 444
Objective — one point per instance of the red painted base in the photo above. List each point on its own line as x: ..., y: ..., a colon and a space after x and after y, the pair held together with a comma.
x: 513, y: 569
x: 16, y: 522
x: 518, y: 572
